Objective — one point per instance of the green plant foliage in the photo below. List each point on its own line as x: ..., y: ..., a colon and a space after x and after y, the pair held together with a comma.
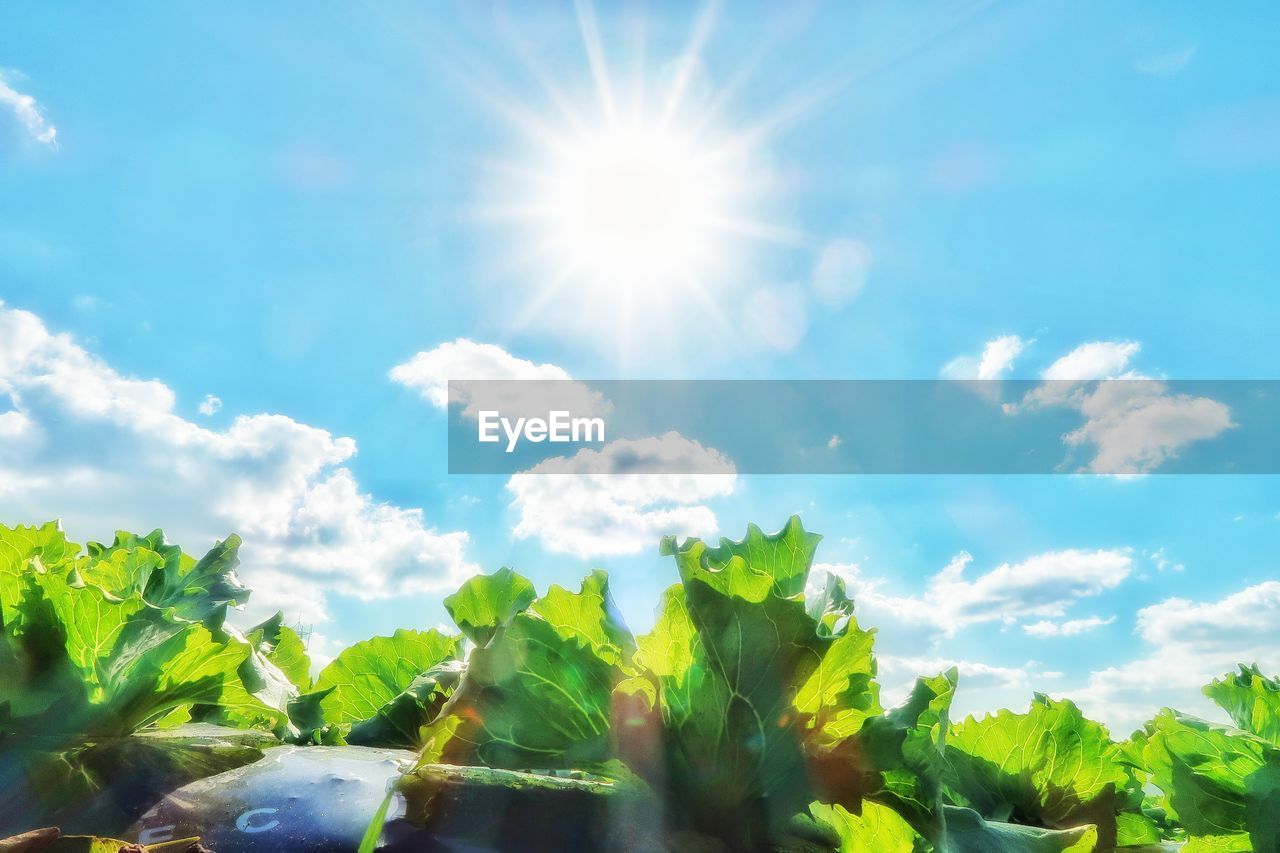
x: 383, y: 690
x: 96, y: 646
x: 968, y: 832
x: 538, y: 693
x: 486, y: 602
x: 1048, y: 767
x: 879, y: 829
x: 1251, y: 699
x: 748, y: 718
x: 767, y: 701
x: 1221, y: 784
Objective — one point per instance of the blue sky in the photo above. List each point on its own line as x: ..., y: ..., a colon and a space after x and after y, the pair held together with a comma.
x: 279, y: 207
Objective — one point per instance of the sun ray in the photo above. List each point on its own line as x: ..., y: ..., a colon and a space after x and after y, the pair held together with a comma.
x: 595, y: 56
x: 689, y: 61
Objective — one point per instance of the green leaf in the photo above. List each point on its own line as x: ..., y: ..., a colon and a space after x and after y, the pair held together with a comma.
x: 121, y: 572
x: 197, y: 591
x: 968, y: 832
x: 752, y: 567
x: 1049, y: 767
x: 283, y: 647
x: 732, y: 728
x: 399, y: 722
x: 19, y: 546
x: 1251, y: 699
x: 1221, y: 784
x: 878, y: 829
x: 369, y: 676
x: 538, y: 693
x: 754, y: 686
x: 486, y: 602
x: 895, y: 758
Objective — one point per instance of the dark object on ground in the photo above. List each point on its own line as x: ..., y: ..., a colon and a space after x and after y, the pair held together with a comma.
x: 321, y: 799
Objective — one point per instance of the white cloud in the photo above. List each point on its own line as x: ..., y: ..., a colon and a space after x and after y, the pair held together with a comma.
x: 1096, y: 360
x: 599, y: 502
x: 776, y: 317
x: 1190, y: 643
x: 27, y: 112
x: 429, y: 373
x: 1136, y: 426
x: 105, y: 451
x: 834, y: 442
x: 1069, y: 628
x: 210, y: 405
x: 913, y: 631
x: 840, y: 272
x: 996, y: 360
x: 1043, y: 586
x: 1131, y: 426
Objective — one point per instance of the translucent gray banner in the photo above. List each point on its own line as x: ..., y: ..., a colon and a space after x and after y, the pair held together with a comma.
x: 1121, y: 427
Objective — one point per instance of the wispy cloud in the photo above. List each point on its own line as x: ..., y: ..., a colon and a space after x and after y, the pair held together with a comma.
x: 27, y: 111
x: 1042, y: 586
x: 1069, y: 628
x: 998, y: 356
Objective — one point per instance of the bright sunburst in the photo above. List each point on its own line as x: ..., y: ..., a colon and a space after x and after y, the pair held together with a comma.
x: 633, y: 203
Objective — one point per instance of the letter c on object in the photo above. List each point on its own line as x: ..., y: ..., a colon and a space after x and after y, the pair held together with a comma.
x: 244, y: 823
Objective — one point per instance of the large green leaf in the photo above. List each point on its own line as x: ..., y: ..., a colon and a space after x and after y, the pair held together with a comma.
x: 281, y: 645
x: 768, y: 701
x: 19, y: 546
x: 486, y: 602
x: 878, y: 829
x: 1049, y: 767
x: 400, y: 721
x: 198, y: 591
x: 730, y: 649
x: 968, y: 832
x: 367, y: 679
x: 1221, y: 784
x: 894, y: 758
x: 1252, y: 699
x: 538, y: 693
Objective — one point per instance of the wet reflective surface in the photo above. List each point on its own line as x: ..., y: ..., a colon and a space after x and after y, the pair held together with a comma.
x: 295, y: 798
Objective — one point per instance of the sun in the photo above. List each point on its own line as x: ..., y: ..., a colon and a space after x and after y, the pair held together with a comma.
x: 630, y: 202
x: 636, y: 205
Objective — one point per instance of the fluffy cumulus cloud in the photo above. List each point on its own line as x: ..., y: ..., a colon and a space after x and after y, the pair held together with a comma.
x: 1188, y: 644
x: 209, y: 406
x: 996, y: 360
x: 600, y: 502
x: 80, y: 441
x: 26, y: 111
x: 429, y: 372
x: 596, y: 502
x: 1040, y: 587
x: 1129, y: 427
